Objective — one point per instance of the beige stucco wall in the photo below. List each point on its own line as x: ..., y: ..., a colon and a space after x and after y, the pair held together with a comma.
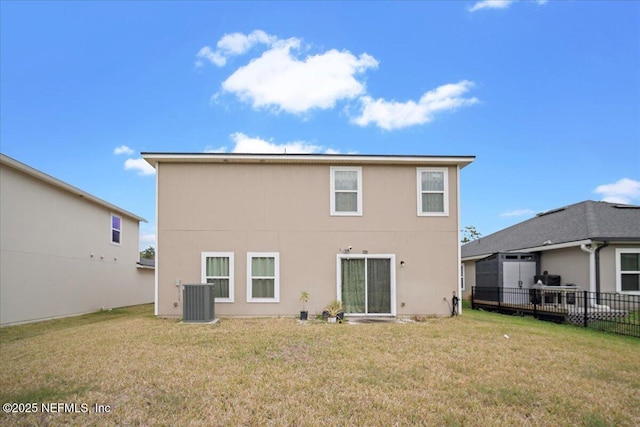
x: 285, y: 208
x: 573, y: 265
x: 608, y: 265
x: 570, y: 263
x: 47, y: 238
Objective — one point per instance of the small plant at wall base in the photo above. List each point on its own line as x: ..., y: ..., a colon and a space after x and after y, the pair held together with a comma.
x: 334, y: 310
x: 304, y: 297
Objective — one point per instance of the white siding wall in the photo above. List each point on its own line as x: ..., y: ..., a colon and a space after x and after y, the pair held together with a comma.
x: 47, y: 237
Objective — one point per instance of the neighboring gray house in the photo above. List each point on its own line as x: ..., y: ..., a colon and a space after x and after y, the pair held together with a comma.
x: 594, y: 245
x: 63, y: 251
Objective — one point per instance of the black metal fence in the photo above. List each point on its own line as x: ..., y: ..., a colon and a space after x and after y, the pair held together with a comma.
x: 611, y: 312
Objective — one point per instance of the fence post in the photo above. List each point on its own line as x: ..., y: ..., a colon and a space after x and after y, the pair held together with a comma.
x: 586, y: 307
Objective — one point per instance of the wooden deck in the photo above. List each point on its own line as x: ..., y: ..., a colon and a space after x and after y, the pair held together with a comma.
x: 574, y: 314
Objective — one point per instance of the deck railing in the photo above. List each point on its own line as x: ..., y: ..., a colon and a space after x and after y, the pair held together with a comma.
x: 612, y: 312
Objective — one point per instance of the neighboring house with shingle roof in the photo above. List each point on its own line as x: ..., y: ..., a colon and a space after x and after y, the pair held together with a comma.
x: 595, y: 245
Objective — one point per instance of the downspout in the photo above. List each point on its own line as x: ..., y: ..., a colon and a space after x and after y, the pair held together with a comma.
x: 458, y: 242
x: 591, y: 250
x: 594, y: 272
x: 597, y: 256
x: 156, y: 305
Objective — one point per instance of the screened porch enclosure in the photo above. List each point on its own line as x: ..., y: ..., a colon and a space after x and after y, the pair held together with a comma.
x: 367, y: 285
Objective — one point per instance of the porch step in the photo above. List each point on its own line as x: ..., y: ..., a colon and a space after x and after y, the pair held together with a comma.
x: 358, y: 319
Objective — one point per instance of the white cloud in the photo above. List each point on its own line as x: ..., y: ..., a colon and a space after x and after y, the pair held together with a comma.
x: 238, y: 43
x: 139, y: 165
x: 211, y: 56
x: 280, y: 80
x: 284, y: 78
x: 123, y: 149
x: 210, y: 149
x: 147, y: 235
x: 247, y: 144
x: 233, y: 45
x: 490, y: 4
x: 496, y: 4
x: 624, y: 191
x: 517, y: 212
x: 394, y: 115
x: 147, y: 239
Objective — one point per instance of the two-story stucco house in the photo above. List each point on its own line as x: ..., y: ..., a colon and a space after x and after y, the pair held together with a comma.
x: 64, y: 251
x: 378, y: 232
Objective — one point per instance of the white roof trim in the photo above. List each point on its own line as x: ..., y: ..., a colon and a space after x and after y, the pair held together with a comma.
x: 550, y: 247
x: 332, y: 159
x: 474, y: 258
x: 34, y: 173
x: 543, y: 248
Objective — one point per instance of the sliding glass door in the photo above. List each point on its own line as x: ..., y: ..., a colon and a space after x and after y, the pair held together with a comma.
x: 367, y: 283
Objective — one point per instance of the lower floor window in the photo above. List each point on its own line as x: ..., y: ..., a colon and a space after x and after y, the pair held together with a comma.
x: 263, y: 277
x: 628, y: 270
x: 217, y: 269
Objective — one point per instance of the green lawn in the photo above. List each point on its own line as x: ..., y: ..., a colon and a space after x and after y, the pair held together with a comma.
x: 276, y: 371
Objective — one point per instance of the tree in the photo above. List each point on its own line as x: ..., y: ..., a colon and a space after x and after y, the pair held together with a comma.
x: 469, y: 233
x: 149, y: 253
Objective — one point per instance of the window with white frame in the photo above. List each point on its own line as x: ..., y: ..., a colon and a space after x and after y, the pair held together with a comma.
x: 433, y: 194
x: 116, y: 229
x: 346, y: 191
x: 628, y: 270
x: 263, y: 277
x: 462, y: 277
x: 217, y: 269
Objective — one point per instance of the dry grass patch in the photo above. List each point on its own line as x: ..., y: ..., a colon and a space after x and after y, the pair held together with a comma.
x: 453, y: 371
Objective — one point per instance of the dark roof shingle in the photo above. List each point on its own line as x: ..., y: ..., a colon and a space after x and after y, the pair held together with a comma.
x: 580, y: 221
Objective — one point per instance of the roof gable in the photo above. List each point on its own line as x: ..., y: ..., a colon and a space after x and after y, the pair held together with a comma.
x: 48, y: 179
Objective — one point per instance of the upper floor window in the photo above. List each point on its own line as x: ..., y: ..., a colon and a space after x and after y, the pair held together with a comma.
x: 628, y: 270
x: 433, y: 194
x: 346, y: 191
x: 116, y: 229
x: 217, y: 268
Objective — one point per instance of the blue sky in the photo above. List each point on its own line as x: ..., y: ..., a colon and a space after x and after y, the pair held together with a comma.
x: 546, y: 94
